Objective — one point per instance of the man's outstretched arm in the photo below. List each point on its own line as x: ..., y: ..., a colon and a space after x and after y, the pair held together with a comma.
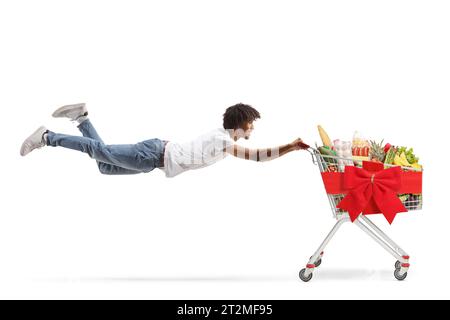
x: 263, y: 154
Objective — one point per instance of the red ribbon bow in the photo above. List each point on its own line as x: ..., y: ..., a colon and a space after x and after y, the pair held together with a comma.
x: 372, y: 188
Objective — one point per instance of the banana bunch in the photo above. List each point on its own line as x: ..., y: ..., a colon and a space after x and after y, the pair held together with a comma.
x: 403, y: 161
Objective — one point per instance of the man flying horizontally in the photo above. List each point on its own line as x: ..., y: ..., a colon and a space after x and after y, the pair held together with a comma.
x: 171, y: 157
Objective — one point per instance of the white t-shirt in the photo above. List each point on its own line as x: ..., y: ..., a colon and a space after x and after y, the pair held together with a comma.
x: 201, y: 152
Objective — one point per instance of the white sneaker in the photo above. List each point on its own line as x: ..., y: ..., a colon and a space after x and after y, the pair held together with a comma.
x: 36, y: 140
x: 71, y: 111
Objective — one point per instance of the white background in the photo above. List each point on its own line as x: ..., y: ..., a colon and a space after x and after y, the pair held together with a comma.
x: 238, y: 229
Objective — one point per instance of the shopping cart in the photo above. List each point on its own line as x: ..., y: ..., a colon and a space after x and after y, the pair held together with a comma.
x: 413, y: 202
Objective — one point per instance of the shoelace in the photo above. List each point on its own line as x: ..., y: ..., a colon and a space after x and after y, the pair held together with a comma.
x: 80, y: 116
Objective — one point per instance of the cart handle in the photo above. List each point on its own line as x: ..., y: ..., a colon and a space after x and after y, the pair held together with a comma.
x: 310, y: 150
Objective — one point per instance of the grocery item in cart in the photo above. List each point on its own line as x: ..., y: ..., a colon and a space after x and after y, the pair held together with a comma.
x: 344, y: 152
x: 377, y: 153
x: 329, y: 156
x: 360, y: 148
x: 411, y: 201
x: 325, y: 138
x: 405, y: 157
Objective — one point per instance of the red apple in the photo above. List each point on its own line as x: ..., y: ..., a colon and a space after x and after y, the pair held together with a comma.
x: 387, y: 147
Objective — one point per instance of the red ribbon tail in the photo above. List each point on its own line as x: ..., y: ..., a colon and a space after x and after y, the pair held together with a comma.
x: 388, y: 203
x: 351, y: 205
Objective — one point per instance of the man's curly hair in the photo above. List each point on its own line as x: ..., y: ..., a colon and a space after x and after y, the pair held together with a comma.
x: 235, y: 116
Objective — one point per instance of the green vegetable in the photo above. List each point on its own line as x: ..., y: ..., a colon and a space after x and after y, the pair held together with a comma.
x: 409, y: 153
x: 390, y: 156
x: 326, y: 151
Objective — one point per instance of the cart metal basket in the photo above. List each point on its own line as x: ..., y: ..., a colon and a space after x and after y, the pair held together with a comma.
x: 411, y: 202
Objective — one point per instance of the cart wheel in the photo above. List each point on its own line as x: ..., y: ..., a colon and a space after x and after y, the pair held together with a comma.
x: 398, y: 276
x: 302, y: 275
x: 398, y: 265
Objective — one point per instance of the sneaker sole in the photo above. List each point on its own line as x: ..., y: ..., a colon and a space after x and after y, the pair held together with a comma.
x: 59, y: 113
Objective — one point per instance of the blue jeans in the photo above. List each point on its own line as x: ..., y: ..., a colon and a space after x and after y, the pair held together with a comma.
x: 115, y: 158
